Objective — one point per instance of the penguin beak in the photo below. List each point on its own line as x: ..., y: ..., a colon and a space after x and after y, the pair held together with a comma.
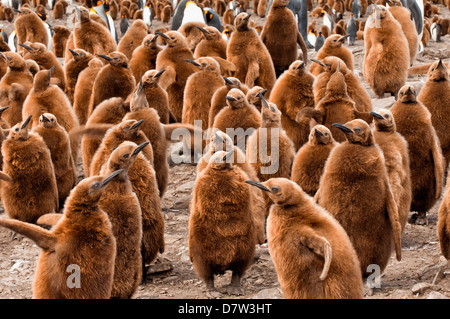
x: 139, y: 148
x: 137, y: 124
x: 378, y: 116
x: 247, y: 17
x: 18, y: 11
x: 228, y: 155
x: 3, y: 109
x: 107, y: 58
x: 218, y: 138
x: 140, y: 87
x: 159, y: 73
x: 300, y: 65
x: 318, y: 62
x: 230, y: 98
x: 202, y: 29
x: 440, y: 64
x: 73, y: 52
x: 155, y: 37
x: 261, y: 96
x: 51, y: 71
x: 46, y: 119
x: 163, y: 35
x: 228, y: 81
x: 342, y: 39
x: 26, y: 47
x: 192, y: 62
x: 319, y: 133
x: 26, y: 122
x: 110, y: 177
x: 343, y: 128
x: 2, y: 56
x: 409, y: 91
x: 259, y: 185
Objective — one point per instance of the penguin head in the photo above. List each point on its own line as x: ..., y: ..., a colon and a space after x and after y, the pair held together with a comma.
x: 209, y: 14
x: 13, y: 60
x: 241, y: 21
x: 320, y: 134
x: 233, y: 83
x: 331, y: 63
x: 139, y: 24
x: 407, y: 94
x: 281, y: 191
x: 221, y: 160
x: 34, y: 48
x: 139, y: 99
x: 128, y: 129
x: 210, y: 33
x: 336, y: 84
x: 48, y: 120
x: 379, y: 11
x: 97, y: 3
x: 89, y: 190
x: 150, y: 41
x: 42, y: 15
x: 297, y: 67
x: 220, y: 141
x: 335, y: 41
x: 116, y: 59
x: 124, y: 156
x: 82, y: 14
x: 151, y: 77
x: 80, y: 55
x: 24, y: 11
x: 206, y: 64
x: 280, y: 3
x: 270, y: 114
x: 42, y: 79
x: 236, y: 99
x: 357, y: 132
x: 438, y: 72
x: 173, y: 38
x: 19, y: 132
x: 384, y: 120
x: 253, y: 95
x: 227, y: 31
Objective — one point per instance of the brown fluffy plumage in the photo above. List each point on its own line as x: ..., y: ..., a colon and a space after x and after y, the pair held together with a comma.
x: 132, y: 38
x: 73, y: 67
x: 29, y: 27
x: 144, y: 56
x: 60, y: 36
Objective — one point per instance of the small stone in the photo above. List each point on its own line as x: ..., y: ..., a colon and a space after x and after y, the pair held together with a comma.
x: 259, y: 281
x: 420, y: 287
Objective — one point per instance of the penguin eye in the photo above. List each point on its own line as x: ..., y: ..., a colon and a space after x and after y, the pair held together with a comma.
x: 16, y: 130
x: 203, y: 64
x: 96, y: 185
x: 52, y: 120
x: 116, y: 58
x: 126, y: 155
x: 275, y: 189
x: 357, y: 130
x: 173, y: 38
x: 326, y: 134
x: 127, y: 127
x: 386, y: 116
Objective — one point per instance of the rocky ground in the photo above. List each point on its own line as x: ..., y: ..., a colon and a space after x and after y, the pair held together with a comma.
x: 422, y: 272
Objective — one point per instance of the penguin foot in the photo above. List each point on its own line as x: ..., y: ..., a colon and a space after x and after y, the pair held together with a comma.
x: 419, y: 218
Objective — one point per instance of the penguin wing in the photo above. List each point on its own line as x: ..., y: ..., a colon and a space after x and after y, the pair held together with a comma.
x: 320, y: 246
x: 302, y: 44
x: 43, y: 238
x: 49, y: 219
x: 438, y: 161
x: 168, y: 77
x: 226, y: 67
x: 392, y: 210
x: 252, y: 74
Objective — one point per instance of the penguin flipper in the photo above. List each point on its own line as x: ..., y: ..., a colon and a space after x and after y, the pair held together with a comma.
x: 252, y: 74
x: 320, y: 246
x: 170, y: 128
x: 310, y: 113
x: 392, y: 210
x: 49, y: 219
x: 438, y: 161
x: 226, y: 67
x: 43, y: 238
x: 168, y: 77
x: 302, y: 44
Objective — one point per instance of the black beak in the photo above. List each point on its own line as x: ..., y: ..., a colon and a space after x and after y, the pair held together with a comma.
x: 342, y: 39
x: 140, y: 148
x: 155, y: 37
x: 192, y: 62
x: 163, y: 35
x: 26, y: 122
x: 259, y: 185
x: 110, y: 177
x: 343, y: 128
x: 440, y: 64
x: 3, y: 109
x: 409, y: 90
x: 228, y: 81
x: 230, y: 98
x: 201, y: 29
x: 18, y: 11
x: 378, y: 116
x: 318, y: 62
x: 318, y: 132
x: 51, y: 71
x: 46, y: 119
x: 261, y: 96
x: 301, y: 65
x: 228, y: 155
x: 159, y: 73
x: 2, y: 56
x: 247, y: 17
x: 26, y: 47
x: 140, y: 87
x: 137, y: 124
x: 73, y: 52
x: 218, y: 138
x: 107, y: 58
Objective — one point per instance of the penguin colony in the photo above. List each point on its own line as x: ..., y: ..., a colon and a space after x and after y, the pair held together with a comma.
x: 81, y: 94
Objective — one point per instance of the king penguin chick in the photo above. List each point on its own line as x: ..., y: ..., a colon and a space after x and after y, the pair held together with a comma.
x: 414, y: 123
x: 31, y: 190
x: 355, y: 189
x: 66, y: 245
x: 144, y: 56
x: 435, y: 95
x: 310, y: 160
x: 396, y: 156
x: 157, y: 98
x: 57, y: 140
x: 386, y: 58
x: 177, y: 70
x: 133, y: 38
x: 114, y: 80
x: 312, y: 253
x: 29, y: 27
x: 221, y: 227
x: 248, y: 53
x: 60, y: 36
x: 72, y: 69
x: 291, y: 93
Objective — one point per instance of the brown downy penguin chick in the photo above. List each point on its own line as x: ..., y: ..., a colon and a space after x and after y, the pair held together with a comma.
x: 333, y: 47
x: 312, y: 253
x: 144, y: 56
x: 248, y: 53
x: 29, y: 27
x: 66, y: 245
x: 60, y: 36
x: 199, y: 90
x: 396, y: 156
x: 31, y: 190
x: 443, y: 224
x: 157, y: 98
x: 403, y: 16
x: 228, y: 17
x: 355, y: 189
x: 310, y: 160
x: 154, y: 130
x: 132, y: 38
x: 57, y: 140
x: 219, y: 101
x: 73, y: 67
x: 355, y: 89
x: 9, y: 14
x: 386, y: 58
x: 435, y: 95
x: 58, y: 10
x: 172, y: 59
x: 238, y: 115
x: 426, y: 161
x: 281, y: 35
x: 47, y: 98
x: 83, y: 89
x: 122, y: 206
x: 114, y: 80
x: 221, y: 227
x: 291, y: 93
x: 45, y: 59
x: 253, y: 96
x: 3, y: 123
x: 261, y: 9
x: 336, y: 107
x: 33, y: 67
x: 192, y: 34
x: 14, y: 86
x: 92, y: 36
